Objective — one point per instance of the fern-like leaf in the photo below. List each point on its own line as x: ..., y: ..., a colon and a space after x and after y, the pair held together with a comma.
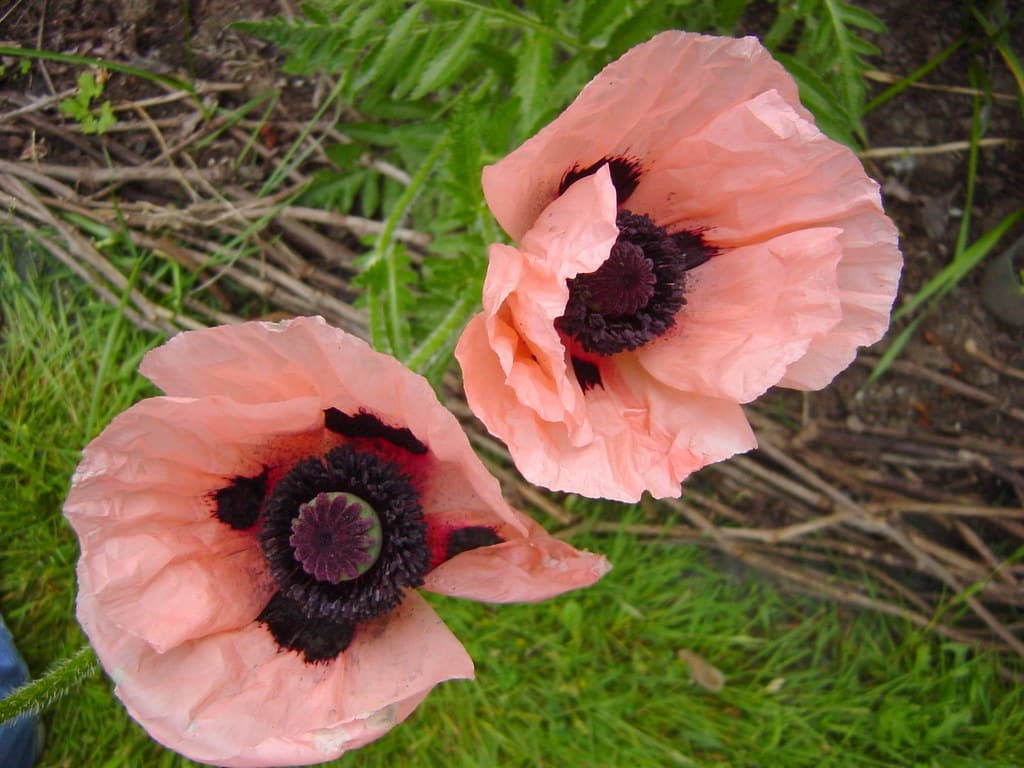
x: 828, y: 61
x: 533, y: 79
x: 844, y: 22
x: 452, y: 59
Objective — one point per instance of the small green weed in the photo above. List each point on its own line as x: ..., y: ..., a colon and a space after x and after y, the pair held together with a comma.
x: 93, y: 115
x: 19, y: 70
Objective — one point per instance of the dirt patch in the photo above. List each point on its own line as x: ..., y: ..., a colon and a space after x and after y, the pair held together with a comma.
x: 925, y: 195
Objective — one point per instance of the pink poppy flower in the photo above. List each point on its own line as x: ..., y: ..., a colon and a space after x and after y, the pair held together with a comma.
x: 252, y: 542
x: 687, y: 239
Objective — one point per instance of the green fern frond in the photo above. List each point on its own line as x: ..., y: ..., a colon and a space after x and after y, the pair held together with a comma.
x: 318, y: 43
x: 821, y: 43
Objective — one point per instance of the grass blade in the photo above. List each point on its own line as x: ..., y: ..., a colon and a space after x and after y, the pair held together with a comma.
x: 396, y: 323
x: 114, y: 66
x: 956, y: 270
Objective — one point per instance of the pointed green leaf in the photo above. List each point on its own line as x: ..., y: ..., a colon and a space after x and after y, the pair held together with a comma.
x: 394, y: 49
x: 452, y: 57
x: 601, y: 18
x: 858, y: 17
x: 533, y: 79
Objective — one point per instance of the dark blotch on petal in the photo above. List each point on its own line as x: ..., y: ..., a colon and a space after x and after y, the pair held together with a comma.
x: 318, y: 640
x: 625, y: 173
x: 367, y: 425
x: 238, y: 505
x: 473, y: 537
x: 587, y: 373
x: 694, y: 248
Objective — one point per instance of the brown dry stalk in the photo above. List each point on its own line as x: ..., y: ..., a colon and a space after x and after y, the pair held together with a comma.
x: 26, y: 207
x: 886, y: 77
x: 935, y: 149
x: 877, y: 525
x: 972, y: 349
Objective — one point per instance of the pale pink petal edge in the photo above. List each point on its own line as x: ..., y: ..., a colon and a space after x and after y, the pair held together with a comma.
x: 637, y: 106
x: 234, y: 699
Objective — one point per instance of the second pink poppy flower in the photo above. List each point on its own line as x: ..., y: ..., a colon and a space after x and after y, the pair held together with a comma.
x: 687, y: 239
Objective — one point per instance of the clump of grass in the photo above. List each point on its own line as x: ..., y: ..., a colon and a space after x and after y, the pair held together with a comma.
x: 67, y: 364
x: 592, y: 678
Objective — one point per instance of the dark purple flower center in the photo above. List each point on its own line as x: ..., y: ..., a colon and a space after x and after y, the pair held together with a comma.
x: 622, y: 285
x: 635, y: 295
x: 298, y: 557
x: 343, y: 535
x: 336, y: 537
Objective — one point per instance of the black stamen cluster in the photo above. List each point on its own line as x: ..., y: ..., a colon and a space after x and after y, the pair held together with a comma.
x: 604, y: 324
x: 587, y: 373
x: 404, y: 556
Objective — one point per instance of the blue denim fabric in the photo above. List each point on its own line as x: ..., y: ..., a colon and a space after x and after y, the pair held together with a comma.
x: 18, y: 738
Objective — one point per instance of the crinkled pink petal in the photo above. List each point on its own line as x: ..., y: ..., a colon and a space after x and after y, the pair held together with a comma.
x: 532, y: 360
x: 575, y: 233
x: 525, y: 290
x: 260, y: 362
x: 654, y: 436
x: 760, y: 170
x: 251, y: 362
x: 305, y: 357
x: 236, y: 699
x: 869, y: 275
x: 521, y: 569
x: 162, y: 566
x: 757, y: 170
x: 636, y: 107
x: 750, y: 312
x: 643, y: 434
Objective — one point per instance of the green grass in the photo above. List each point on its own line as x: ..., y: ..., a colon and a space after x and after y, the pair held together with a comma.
x: 589, y: 679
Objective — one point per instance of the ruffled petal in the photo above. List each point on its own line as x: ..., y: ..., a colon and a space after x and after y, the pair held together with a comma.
x: 760, y: 170
x: 235, y: 699
x: 163, y: 567
x: 637, y: 434
x: 651, y: 436
x: 261, y: 362
x: 869, y: 276
x: 253, y: 362
x: 636, y: 107
x: 750, y: 312
x: 305, y: 357
x: 522, y: 569
x: 525, y: 290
